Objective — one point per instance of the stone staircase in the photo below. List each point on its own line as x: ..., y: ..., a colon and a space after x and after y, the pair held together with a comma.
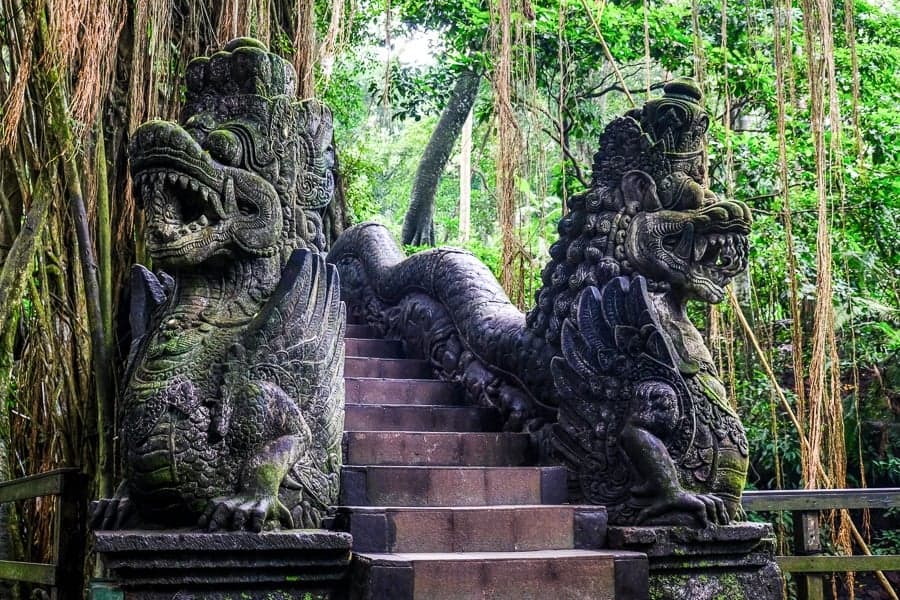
x: 442, y: 505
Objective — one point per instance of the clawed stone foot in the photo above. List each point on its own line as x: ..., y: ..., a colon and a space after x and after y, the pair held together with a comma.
x: 245, y: 512
x: 305, y: 516
x: 706, y: 509
x: 112, y: 513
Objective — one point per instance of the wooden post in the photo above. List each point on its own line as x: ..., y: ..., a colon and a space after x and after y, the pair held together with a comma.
x: 68, y: 546
x: 810, y: 586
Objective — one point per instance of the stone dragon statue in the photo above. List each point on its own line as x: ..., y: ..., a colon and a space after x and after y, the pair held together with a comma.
x: 232, y: 412
x: 606, y: 370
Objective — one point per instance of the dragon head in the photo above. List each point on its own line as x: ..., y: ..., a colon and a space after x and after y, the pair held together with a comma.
x: 647, y: 212
x: 245, y: 170
x: 676, y: 232
x: 696, y: 253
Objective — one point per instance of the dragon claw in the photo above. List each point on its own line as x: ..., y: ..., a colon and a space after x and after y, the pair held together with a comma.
x: 706, y: 509
x: 245, y: 512
x: 306, y: 516
x: 112, y: 513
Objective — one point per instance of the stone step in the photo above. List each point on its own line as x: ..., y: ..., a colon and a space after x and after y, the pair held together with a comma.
x: 373, y: 348
x: 405, y: 417
x: 451, y: 486
x: 370, y: 390
x: 473, y: 529
x: 396, y: 368
x: 538, y: 575
x: 359, y: 330
x: 416, y: 448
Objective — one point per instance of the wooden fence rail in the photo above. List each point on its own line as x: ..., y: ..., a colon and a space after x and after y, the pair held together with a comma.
x: 64, y: 574
x: 805, y: 506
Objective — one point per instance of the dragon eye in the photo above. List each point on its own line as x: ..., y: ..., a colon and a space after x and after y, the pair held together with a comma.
x: 247, y: 209
x: 199, y: 126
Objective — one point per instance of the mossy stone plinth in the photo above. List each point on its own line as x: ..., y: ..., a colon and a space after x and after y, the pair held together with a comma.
x: 190, y: 565
x: 733, y: 562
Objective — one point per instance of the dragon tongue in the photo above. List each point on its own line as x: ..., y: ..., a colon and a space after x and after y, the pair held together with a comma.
x: 686, y: 243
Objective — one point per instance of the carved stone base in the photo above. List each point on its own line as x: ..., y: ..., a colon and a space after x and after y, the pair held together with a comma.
x: 734, y: 562
x: 190, y: 565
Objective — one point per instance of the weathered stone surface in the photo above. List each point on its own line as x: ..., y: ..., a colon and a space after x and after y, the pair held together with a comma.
x: 569, y: 574
x: 364, y: 390
x: 356, y: 330
x: 396, y: 368
x: 463, y: 529
x: 373, y: 348
x: 733, y: 562
x: 451, y: 486
x: 426, y: 448
x: 284, y: 565
x: 232, y: 407
x: 398, y: 417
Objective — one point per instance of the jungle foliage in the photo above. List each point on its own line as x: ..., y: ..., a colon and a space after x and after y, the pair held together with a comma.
x: 804, y: 101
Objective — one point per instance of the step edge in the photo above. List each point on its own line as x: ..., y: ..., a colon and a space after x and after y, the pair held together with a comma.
x: 429, y: 509
x: 537, y: 468
x: 499, y: 434
x: 554, y: 554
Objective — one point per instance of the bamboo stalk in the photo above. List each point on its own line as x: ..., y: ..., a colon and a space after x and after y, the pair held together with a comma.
x: 101, y: 360
x: 104, y: 238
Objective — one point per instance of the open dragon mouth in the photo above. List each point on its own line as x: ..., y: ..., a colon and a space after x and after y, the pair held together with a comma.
x: 196, y: 207
x: 183, y: 213
x: 714, y: 257
x: 181, y: 189
x: 698, y: 251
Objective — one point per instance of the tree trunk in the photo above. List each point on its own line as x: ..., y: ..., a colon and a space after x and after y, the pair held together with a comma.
x: 465, y: 180
x: 418, y: 226
x: 336, y: 217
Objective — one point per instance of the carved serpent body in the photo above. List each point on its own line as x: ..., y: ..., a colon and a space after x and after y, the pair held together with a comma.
x: 645, y: 429
x: 446, y: 305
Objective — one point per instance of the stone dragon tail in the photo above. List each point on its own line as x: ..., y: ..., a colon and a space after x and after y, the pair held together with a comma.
x: 446, y: 306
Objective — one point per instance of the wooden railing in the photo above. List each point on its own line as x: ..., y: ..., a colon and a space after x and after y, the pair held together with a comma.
x: 63, y: 576
x: 808, y: 564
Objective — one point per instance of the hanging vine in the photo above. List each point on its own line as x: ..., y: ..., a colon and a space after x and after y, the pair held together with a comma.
x: 508, y: 142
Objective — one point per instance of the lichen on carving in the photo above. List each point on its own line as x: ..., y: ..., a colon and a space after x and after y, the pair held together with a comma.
x: 232, y: 410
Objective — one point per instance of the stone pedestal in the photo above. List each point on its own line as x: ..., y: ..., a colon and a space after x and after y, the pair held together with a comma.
x: 734, y: 562
x: 190, y: 565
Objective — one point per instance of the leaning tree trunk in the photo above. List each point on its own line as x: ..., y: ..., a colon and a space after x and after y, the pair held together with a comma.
x: 418, y: 226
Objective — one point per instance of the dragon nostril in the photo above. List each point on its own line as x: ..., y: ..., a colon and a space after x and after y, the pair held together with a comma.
x: 225, y: 147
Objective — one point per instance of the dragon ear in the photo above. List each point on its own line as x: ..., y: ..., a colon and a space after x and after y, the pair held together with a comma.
x: 639, y: 190
x: 147, y: 292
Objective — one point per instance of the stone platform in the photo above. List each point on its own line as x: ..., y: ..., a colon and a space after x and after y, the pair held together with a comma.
x: 733, y: 562
x: 190, y: 565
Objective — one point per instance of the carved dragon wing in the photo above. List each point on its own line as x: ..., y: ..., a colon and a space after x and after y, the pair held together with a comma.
x: 296, y: 342
x: 148, y: 293
x: 615, y: 343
